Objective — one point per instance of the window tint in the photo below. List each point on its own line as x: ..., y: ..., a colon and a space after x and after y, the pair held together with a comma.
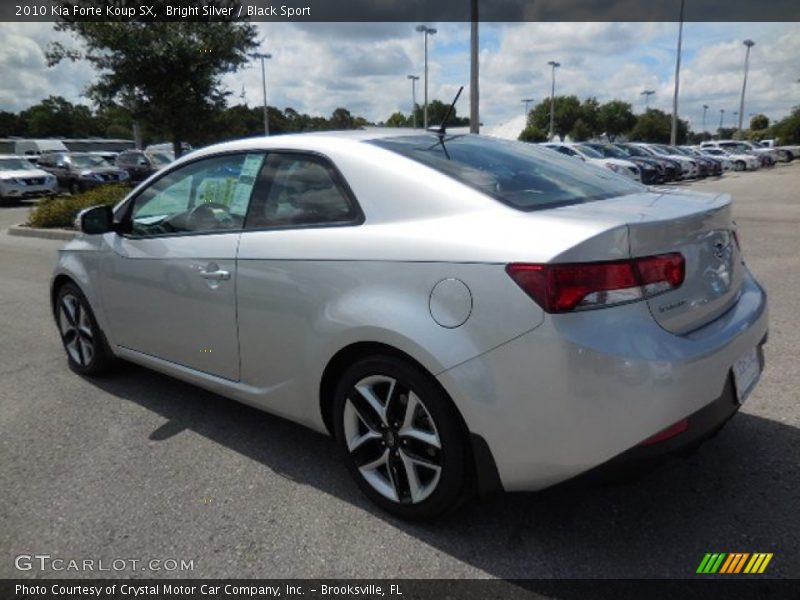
x: 519, y: 174
x: 300, y: 190
x: 207, y: 195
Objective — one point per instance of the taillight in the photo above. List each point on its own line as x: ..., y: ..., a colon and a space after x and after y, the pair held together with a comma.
x: 578, y: 286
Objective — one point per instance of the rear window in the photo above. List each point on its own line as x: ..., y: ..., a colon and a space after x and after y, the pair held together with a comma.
x: 519, y: 174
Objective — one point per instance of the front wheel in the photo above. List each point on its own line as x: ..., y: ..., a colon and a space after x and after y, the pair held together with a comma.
x: 402, y: 437
x: 739, y: 166
x: 84, y: 342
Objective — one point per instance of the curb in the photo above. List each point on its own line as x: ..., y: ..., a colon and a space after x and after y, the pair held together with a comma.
x: 37, y: 232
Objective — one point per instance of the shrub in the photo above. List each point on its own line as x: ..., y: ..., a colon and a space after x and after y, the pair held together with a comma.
x: 61, y: 212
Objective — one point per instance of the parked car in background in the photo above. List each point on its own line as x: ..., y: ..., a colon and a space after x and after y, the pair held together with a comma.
x: 741, y: 161
x: 19, y: 178
x: 32, y: 149
x: 787, y: 152
x: 79, y: 171
x: 142, y: 164
x: 460, y: 312
x: 689, y: 168
x: 625, y: 168
x: 766, y: 157
x: 167, y: 147
x: 708, y: 166
x: 724, y: 161
x: 672, y: 168
x: 651, y: 172
x: 107, y: 155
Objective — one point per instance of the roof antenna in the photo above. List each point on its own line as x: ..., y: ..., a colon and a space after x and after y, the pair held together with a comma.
x: 443, y: 126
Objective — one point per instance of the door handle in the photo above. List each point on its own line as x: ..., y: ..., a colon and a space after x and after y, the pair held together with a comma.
x: 215, y: 275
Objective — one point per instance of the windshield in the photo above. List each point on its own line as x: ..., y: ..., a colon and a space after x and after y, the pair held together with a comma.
x: 607, y: 150
x: 160, y: 159
x: 15, y: 164
x: 521, y: 175
x: 661, y: 149
x: 636, y: 151
x: 589, y: 151
x: 88, y: 161
x: 735, y: 147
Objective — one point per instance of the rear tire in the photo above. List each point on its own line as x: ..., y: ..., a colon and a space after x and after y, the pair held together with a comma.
x: 401, y: 436
x: 74, y: 188
x: 84, y: 343
x: 739, y: 166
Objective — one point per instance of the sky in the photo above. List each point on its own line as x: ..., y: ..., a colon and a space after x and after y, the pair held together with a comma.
x: 317, y: 67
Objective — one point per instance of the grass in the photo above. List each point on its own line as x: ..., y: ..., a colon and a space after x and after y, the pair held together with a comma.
x: 61, y: 211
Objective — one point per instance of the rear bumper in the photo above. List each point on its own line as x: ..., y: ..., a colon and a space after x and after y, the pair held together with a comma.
x: 587, y: 387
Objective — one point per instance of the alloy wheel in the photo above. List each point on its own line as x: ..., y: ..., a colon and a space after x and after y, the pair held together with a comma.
x: 76, y: 330
x: 393, y: 440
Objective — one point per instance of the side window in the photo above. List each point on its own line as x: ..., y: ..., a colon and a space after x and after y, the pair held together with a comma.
x: 565, y: 150
x: 300, y: 190
x: 207, y: 195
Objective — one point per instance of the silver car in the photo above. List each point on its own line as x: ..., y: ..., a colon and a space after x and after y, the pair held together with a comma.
x: 462, y: 313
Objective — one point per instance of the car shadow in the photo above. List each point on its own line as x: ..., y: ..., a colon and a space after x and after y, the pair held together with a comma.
x: 738, y: 493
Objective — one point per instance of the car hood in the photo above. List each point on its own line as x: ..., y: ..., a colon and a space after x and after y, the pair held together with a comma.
x: 23, y: 174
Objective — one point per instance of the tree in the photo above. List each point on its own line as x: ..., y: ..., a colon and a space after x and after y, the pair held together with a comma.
x: 616, y: 118
x: 581, y: 131
x: 590, y: 115
x: 655, y: 126
x: 11, y: 124
x: 787, y: 130
x: 567, y: 111
x: 55, y: 116
x: 342, y: 119
x: 170, y: 71
x: 436, y: 113
x: 532, y: 134
x: 759, y: 122
x: 398, y: 119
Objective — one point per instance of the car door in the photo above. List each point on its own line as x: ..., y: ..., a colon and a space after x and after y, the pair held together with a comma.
x: 280, y: 291
x: 169, y: 284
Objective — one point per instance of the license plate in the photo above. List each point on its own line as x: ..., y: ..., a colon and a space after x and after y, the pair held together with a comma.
x: 746, y: 372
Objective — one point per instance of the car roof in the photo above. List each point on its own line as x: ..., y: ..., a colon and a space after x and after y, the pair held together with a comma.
x: 310, y: 141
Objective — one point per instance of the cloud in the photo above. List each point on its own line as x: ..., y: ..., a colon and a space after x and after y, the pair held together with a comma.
x: 317, y: 67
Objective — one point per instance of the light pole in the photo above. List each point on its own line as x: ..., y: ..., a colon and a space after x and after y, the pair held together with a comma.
x: 705, y: 110
x: 721, y: 115
x: 527, y: 102
x: 414, y: 79
x: 474, y: 91
x: 555, y: 65
x: 426, y: 31
x: 673, y: 135
x: 749, y: 44
x: 647, y: 94
x: 264, y: 57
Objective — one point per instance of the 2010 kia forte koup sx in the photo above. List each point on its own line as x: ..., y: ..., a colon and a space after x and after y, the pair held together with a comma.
x: 462, y: 313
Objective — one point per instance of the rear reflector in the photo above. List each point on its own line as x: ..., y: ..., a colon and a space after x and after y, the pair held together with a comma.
x: 669, y: 432
x: 565, y: 287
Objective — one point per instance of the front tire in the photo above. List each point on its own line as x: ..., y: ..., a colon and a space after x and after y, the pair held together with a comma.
x: 84, y: 343
x: 402, y: 438
x: 739, y: 166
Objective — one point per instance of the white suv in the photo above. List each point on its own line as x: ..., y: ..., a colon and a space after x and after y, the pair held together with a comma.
x: 20, y: 179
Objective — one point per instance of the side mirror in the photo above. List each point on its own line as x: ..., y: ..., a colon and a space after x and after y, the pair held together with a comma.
x: 95, y: 220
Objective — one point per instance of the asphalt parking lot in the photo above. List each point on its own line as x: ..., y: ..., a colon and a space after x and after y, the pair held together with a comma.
x: 139, y: 466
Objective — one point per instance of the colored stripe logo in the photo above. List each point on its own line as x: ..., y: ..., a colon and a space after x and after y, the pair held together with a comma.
x: 735, y: 562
